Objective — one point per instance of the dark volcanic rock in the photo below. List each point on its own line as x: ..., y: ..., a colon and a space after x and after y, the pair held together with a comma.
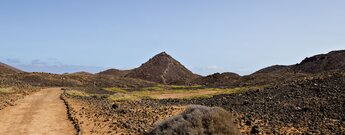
x: 162, y: 68
x: 333, y: 61
x: 314, y: 105
x: 255, y: 130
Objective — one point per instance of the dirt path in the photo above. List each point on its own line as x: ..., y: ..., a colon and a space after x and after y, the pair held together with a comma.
x: 42, y: 113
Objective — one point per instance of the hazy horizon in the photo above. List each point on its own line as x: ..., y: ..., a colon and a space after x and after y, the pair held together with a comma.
x: 206, y: 37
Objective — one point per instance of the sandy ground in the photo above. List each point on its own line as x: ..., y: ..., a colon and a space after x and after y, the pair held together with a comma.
x: 100, y: 116
x: 42, y: 113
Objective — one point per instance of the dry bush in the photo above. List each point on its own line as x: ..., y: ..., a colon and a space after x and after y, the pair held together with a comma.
x: 197, y: 120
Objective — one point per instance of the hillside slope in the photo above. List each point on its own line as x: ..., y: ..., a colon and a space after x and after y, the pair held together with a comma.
x: 114, y: 72
x: 7, y: 69
x: 163, y: 68
x: 332, y: 61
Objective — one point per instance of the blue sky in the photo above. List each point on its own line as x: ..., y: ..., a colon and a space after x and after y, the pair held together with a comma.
x: 206, y: 36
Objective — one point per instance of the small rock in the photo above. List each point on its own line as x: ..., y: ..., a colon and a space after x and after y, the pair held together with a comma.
x: 248, y: 123
x: 114, y: 106
x: 255, y: 130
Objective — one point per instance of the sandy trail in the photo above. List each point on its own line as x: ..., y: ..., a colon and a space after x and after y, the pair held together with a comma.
x: 42, y: 113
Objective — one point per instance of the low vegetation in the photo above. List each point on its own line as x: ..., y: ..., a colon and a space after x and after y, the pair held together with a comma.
x: 6, y: 90
x: 198, y: 120
x: 186, y: 87
x: 164, y: 92
x: 123, y: 97
x: 77, y: 93
x: 119, y: 90
x: 161, y: 87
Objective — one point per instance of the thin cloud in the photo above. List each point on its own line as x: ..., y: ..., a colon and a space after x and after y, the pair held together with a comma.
x: 60, y: 69
x: 12, y: 61
x: 38, y: 62
x: 54, y: 66
x: 213, y: 67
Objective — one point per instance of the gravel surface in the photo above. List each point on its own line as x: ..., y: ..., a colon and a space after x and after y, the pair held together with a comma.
x: 309, y: 106
x: 98, y: 115
x: 315, y: 106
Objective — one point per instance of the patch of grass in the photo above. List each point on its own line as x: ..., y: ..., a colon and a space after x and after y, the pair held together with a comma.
x: 77, y: 93
x: 154, y: 94
x: 114, y: 89
x: 161, y: 87
x: 123, y: 97
x: 155, y: 88
x: 236, y: 90
x: 6, y: 90
x: 159, y: 92
x: 185, y: 87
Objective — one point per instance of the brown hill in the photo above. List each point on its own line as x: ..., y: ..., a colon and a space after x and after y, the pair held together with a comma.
x: 162, y: 68
x: 69, y: 80
x: 274, y: 68
x: 218, y: 79
x: 332, y: 61
x: 310, y: 66
x: 114, y: 72
x: 6, y: 69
